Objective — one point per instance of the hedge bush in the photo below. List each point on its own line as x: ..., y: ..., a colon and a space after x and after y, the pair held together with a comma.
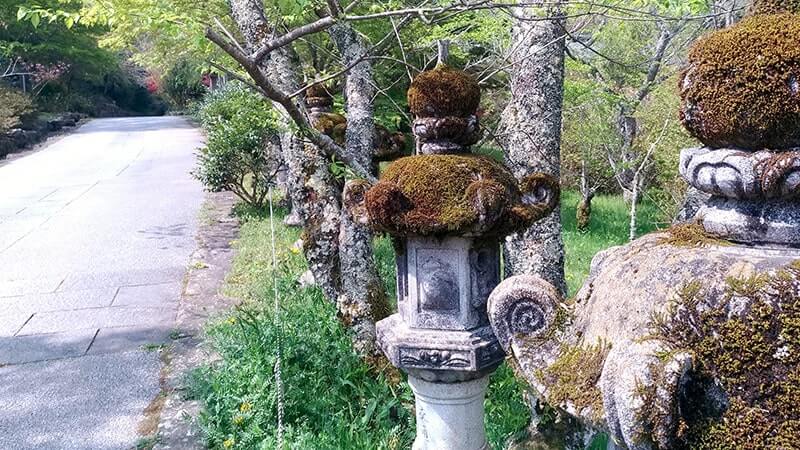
x: 13, y: 105
x: 242, y: 153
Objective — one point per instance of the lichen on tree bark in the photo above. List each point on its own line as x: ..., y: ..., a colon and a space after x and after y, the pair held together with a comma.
x: 312, y: 188
x: 531, y: 135
x: 362, y: 300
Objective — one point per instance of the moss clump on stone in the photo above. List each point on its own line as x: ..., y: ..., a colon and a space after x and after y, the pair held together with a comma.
x: 742, y: 85
x: 748, y: 340
x: 444, y: 91
x: 691, y: 235
x: 332, y: 124
x: 448, y: 194
x: 571, y: 381
x: 318, y: 96
x: 774, y: 6
x: 318, y: 90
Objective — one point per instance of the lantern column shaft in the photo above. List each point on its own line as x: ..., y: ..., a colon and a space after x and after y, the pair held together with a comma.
x: 450, y: 415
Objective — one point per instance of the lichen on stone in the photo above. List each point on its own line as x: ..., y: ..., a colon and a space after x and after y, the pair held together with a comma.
x: 442, y: 92
x: 690, y: 235
x: 746, y: 339
x: 741, y: 87
x: 571, y: 382
x: 449, y: 194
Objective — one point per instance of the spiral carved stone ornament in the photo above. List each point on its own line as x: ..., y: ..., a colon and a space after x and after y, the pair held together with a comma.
x: 522, y: 307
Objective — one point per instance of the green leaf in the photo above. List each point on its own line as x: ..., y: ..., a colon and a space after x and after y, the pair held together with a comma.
x: 35, y: 19
x: 22, y: 12
x: 69, y: 22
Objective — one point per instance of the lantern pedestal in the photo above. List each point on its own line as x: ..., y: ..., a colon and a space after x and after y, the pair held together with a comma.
x: 450, y: 415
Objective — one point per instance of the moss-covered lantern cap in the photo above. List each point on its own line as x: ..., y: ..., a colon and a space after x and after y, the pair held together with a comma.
x: 742, y: 84
x: 443, y: 92
x: 464, y: 194
x: 318, y: 96
x: 774, y: 6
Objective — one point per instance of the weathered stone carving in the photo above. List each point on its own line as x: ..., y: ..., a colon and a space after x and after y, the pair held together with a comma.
x: 688, y: 338
x: 523, y: 306
x: 753, y: 193
x: 446, y: 210
x: 738, y: 174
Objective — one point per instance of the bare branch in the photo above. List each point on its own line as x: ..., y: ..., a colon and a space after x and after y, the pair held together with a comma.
x: 375, y: 48
x: 291, y: 36
x: 228, y: 34
x: 237, y: 77
x: 322, y: 141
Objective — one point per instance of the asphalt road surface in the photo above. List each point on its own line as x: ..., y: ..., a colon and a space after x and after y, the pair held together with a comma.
x: 96, y: 231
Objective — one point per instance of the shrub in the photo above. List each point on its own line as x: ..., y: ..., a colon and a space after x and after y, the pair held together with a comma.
x: 242, y: 153
x: 183, y: 84
x: 13, y: 105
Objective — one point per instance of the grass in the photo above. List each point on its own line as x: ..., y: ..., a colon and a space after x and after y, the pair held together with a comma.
x: 609, y: 227
x: 333, y: 400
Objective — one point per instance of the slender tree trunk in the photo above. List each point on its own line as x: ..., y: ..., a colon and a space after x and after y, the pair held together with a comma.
x: 532, y: 135
x: 312, y: 188
x: 634, y: 202
x: 363, y: 300
x: 583, y: 215
x: 628, y: 129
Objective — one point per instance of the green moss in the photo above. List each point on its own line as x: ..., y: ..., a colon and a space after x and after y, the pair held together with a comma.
x: 754, y: 354
x: 572, y: 379
x: 444, y: 91
x: 331, y: 124
x: 318, y: 90
x: 449, y: 194
x: 691, y: 235
x: 774, y: 6
x: 742, y: 85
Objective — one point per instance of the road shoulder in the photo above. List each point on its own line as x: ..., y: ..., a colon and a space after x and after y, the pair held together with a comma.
x: 171, y: 419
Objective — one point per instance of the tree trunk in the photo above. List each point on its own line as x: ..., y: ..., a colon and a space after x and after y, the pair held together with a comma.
x: 634, y: 202
x: 363, y: 300
x: 531, y: 133
x: 312, y: 188
x: 727, y: 12
x: 583, y: 214
x: 628, y: 129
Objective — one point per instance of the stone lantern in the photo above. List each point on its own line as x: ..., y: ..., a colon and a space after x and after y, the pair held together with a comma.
x: 689, y: 337
x: 446, y: 210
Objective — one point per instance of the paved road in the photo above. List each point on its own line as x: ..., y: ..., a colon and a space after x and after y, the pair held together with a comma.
x: 96, y: 231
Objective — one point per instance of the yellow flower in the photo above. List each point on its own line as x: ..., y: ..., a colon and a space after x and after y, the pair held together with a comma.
x: 231, y: 321
x: 228, y: 443
x: 238, y: 419
x: 295, y: 250
x: 246, y: 406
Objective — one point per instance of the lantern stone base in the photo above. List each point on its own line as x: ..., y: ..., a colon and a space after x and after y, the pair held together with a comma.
x: 753, y: 221
x: 443, y: 356
x: 450, y: 415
